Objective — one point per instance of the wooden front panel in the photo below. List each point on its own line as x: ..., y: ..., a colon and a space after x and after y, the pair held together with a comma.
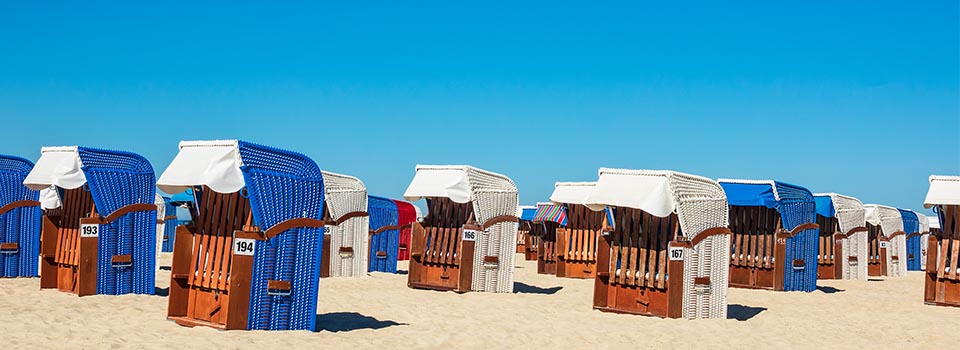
x: 943, y: 282
x: 436, y: 246
x: 633, y: 277
x: 577, y: 243
x: 547, y: 249
x: 828, y: 254
x: 208, y: 254
x: 753, y: 246
x: 875, y: 265
x: 76, y: 204
x: 532, y: 242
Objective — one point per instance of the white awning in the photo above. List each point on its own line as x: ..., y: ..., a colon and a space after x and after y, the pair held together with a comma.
x: 888, y: 218
x: 934, y: 221
x: 212, y: 163
x: 49, y: 198
x: 944, y: 190
x: 449, y: 182
x: 633, y: 189
x: 572, y: 192
x: 58, y: 166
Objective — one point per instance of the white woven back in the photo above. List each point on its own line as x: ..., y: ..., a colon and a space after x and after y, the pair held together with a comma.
x: 343, y: 195
x: 494, y: 195
x: 850, y: 214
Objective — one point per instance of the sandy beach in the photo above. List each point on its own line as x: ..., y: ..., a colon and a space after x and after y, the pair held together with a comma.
x: 379, y: 311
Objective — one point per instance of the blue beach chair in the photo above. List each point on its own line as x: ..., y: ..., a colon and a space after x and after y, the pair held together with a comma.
x: 19, y: 220
x: 384, y: 234
x: 102, y: 240
x: 251, y: 257
x: 774, y: 244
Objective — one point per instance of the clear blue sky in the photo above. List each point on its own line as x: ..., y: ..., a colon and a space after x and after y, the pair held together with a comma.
x: 861, y: 98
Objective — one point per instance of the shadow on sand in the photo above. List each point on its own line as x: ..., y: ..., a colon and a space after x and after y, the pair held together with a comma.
x: 742, y: 313
x: 351, y: 321
x: 163, y: 292
x: 519, y: 287
x: 829, y: 290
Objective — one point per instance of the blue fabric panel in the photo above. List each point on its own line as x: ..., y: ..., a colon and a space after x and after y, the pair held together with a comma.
x: 20, y: 225
x: 797, y: 207
x: 911, y: 224
x: 749, y: 194
x: 182, y: 197
x: 117, y: 179
x: 825, y: 206
x: 284, y: 185
x: 383, y: 212
x: 528, y: 213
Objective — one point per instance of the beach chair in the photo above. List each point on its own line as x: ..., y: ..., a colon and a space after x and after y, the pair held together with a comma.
x: 911, y: 228
x: 161, y: 223
x: 384, y: 234
x: 347, y: 237
x: 170, y: 223
x: 576, y: 248
x: 774, y: 235
x: 465, y: 243
x: 942, y: 282
x: 20, y: 220
x: 547, y: 221
x: 407, y: 213
x: 102, y: 239
x: 250, y: 258
x: 933, y: 230
x: 887, y: 241
x: 527, y: 239
x: 842, y: 239
x: 667, y: 253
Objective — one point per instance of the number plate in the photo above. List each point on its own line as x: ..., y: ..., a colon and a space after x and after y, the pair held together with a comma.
x: 89, y: 230
x: 883, y: 244
x: 676, y: 253
x: 469, y: 235
x: 244, y: 246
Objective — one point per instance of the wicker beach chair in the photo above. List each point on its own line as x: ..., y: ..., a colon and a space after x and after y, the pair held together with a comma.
x: 667, y: 254
x: 887, y: 241
x: 407, y: 213
x: 384, y: 234
x: 548, y: 218
x: 577, y: 239
x: 527, y: 237
x: 102, y: 238
x: 466, y: 241
x: 774, y: 235
x: 170, y: 223
x: 842, y: 239
x: 20, y: 220
x: 942, y: 282
x: 250, y: 258
x: 347, y: 237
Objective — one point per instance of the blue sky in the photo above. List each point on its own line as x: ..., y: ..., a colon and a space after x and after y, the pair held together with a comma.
x: 861, y: 98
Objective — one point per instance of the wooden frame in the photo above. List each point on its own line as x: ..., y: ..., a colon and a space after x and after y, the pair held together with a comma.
x: 830, y: 241
x: 547, y: 249
x: 876, y: 256
x: 758, y: 247
x: 576, y: 247
x: 942, y: 282
x: 635, y: 275
x: 61, y: 252
x: 438, y: 248
x: 212, y: 269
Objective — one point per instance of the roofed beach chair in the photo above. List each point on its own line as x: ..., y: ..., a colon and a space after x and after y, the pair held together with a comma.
x: 102, y: 239
x: 942, y: 282
x: 577, y: 239
x: 911, y: 228
x: 407, y: 213
x: 667, y: 253
x: 774, y: 235
x: 161, y: 210
x: 887, y: 242
x: 547, y: 220
x: 384, y: 234
x: 466, y: 241
x: 170, y: 224
x: 347, y: 237
x: 843, y: 237
x: 250, y: 258
x: 523, y: 230
x: 20, y: 221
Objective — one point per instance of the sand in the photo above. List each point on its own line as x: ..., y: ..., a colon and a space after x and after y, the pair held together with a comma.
x: 379, y: 311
